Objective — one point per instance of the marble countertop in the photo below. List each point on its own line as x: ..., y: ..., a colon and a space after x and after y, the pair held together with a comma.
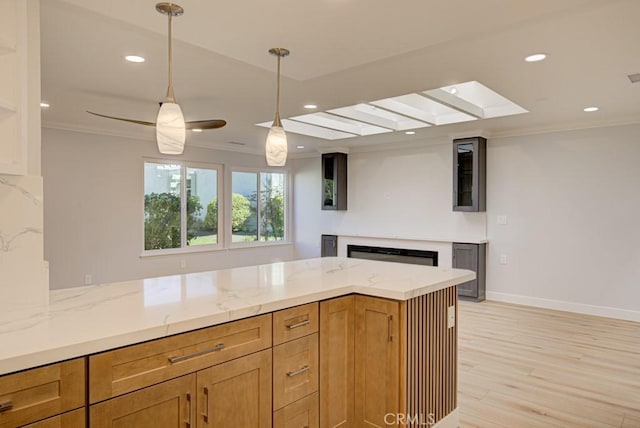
x: 85, y: 320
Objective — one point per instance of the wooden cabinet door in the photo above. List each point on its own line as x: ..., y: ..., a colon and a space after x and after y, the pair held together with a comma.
x: 377, y: 351
x: 72, y: 419
x: 337, y: 362
x: 237, y: 393
x: 169, y: 404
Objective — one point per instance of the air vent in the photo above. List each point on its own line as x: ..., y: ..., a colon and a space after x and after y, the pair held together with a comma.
x: 635, y: 78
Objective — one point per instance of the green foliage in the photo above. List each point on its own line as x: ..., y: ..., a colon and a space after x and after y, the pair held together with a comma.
x: 272, y: 215
x: 211, y: 218
x: 240, y: 211
x: 162, y: 220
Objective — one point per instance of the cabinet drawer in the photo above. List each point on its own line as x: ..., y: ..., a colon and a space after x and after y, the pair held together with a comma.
x: 73, y: 419
x: 134, y: 367
x: 295, y: 370
x: 40, y: 393
x: 170, y: 404
x: 302, y: 413
x: 293, y: 323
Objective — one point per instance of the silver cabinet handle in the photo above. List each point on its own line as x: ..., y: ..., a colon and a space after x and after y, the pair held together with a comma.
x: 4, y: 407
x: 299, y: 324
x: 205, y: 414
x: 188, y: 423
x: 299, y: 371
x: 218, y: 347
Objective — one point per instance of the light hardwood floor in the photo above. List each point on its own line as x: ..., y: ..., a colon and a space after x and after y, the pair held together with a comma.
x: 527, y: 367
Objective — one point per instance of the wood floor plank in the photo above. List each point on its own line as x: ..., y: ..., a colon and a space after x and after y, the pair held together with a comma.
x: 528, y: 367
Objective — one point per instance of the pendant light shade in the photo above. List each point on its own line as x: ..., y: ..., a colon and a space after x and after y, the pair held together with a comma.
x: 276, y: 149
x: 170, y: 129
x: 276, y: 146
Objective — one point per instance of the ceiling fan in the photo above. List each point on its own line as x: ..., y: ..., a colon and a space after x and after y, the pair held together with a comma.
x: 170, y: 124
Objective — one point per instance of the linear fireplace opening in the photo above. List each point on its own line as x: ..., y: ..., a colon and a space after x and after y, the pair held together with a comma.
x: 398, y: 255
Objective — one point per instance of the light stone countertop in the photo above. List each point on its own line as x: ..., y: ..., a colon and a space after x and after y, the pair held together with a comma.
x: 86, y: 320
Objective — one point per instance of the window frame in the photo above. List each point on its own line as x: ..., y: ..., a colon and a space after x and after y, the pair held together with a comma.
x: 287, y: 207
x: 184, y: 248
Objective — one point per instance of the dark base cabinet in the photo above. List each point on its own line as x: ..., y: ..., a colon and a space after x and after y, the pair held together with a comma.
x: 329, y: 246
x: 472, y: 257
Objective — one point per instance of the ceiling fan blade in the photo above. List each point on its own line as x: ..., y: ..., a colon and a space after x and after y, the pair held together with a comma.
x: 206, y: 124
x: 139, y: 122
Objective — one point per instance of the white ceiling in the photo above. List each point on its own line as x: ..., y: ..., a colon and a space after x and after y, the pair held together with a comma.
x: 343, y: 52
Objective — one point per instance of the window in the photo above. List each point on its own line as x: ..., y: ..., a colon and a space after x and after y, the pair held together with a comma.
x: 180, y: 205
x: 258, y: 206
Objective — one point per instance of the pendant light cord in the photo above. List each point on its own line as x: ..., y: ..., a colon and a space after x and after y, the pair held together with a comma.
x: 278, y: 94
x: 170, y: 95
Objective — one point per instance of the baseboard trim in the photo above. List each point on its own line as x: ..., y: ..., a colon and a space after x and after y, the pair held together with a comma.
x: 560, y: 305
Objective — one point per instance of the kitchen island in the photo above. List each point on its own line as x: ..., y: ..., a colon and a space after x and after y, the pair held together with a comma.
x: 100, y: 324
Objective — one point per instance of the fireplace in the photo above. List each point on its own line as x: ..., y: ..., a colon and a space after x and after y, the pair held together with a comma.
x: 398, y: 255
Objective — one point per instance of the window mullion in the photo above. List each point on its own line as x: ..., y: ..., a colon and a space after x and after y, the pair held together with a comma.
x: 259, y: 208
x: 183, y: 206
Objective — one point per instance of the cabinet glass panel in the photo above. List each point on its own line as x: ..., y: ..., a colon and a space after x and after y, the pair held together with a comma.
x: 465, y: 175
x: 328, y: 182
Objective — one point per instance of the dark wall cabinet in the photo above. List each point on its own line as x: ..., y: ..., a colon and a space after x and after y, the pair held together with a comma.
x: 470, y: 174
x: 472, y: 257
x: 329, y: 246
x: 334, y: 181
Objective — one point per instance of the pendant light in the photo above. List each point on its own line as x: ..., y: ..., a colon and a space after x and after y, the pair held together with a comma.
x: 276, y: 147
x: 170, y: 126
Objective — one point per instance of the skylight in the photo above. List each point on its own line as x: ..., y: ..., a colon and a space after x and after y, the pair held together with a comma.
x: 449, y: 104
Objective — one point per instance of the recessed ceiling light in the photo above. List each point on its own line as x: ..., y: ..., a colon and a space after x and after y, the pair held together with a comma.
x: 196, y: 130
x: 310, y: 106
x: 134, y: 58
x: 44, y: 104
x: 410, y: 132
x: 299, y: 147
x: 453, y: 91
x: 536, y: 57
x: 591, y: 109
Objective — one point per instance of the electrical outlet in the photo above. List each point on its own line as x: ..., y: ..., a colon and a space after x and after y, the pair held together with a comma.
x: 88, y: 279
x: 451, y: 316
x: 183, y: 263
x: 502, y: 220
x: 503, y: 259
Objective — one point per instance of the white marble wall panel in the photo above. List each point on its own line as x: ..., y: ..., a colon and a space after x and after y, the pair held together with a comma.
x: 23, y: 272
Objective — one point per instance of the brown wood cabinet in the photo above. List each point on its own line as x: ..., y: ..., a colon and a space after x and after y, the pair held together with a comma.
x: 337, y: 362
x: 294, y: 323
x: 345, y: 362
x: 359, y: 361
x: 41, y: 393
x: 302, y: 413
x: 73, y: 419
x: 170, y: 404
x: 237, y: 393
x: 380, y: 356
x: 377, y: 365
x: 133, y: 367
x: 295, y: 370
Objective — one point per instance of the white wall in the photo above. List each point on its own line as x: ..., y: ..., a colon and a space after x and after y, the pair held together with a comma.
x: 572, y: 202
x: 93, y: 211
x: 400, y: 194
x: 571, y: 199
